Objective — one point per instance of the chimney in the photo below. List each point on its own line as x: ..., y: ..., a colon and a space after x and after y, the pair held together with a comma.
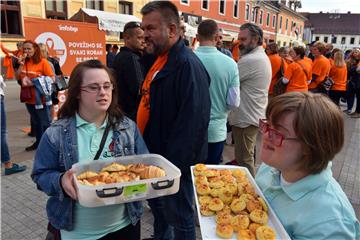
x: 349, y: 12
x: 321, y: 12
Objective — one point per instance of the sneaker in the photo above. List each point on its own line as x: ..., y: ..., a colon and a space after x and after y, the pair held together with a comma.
x: 233, y: 162
x: 348, y: 112
x: 32, y: 147
x: 14, y: 169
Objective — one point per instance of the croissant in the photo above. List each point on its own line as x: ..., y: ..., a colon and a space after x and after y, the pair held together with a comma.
x: 152, y: 172
x: 137, y: 168
x: 114, y: 167
x: 87, y: 174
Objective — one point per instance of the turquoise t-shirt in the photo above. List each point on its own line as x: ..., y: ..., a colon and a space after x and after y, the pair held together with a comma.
x: 94, y: 223
x: 314, y: 207
x: 224, y: 74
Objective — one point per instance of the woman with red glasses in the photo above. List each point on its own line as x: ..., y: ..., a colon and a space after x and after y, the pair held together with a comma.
x: 301, y: 136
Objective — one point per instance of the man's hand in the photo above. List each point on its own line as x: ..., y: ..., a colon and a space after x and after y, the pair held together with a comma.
x: 68, y: 185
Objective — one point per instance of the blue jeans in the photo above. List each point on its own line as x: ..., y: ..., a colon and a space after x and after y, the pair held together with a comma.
x: 5, y: 156
x: 41, y: 118
x: 214, y: 152
x: 174, y: 214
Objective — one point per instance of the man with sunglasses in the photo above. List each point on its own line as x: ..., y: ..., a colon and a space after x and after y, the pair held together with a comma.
x: 129, y: 70
x: 255, y: 76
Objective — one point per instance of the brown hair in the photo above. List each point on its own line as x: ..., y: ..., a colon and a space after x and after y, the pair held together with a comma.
x: 71, y: 105
x: 207, y: 30
x: 318, y: 124
x: 339, y: 59
x: 37, y: 54
x: 320, y: 46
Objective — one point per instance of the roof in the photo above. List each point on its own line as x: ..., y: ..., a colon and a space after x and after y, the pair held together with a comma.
x: 334, y: 23
x: 107, y: 21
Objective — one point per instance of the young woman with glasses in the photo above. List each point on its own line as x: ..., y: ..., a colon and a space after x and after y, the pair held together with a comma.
x: 90, y: 108
x: 300, y: 137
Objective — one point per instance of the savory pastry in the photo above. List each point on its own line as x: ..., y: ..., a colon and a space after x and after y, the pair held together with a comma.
x: 137, y: 167
x: 259, y: 216
x: 114, y: 167
x: 211, y: 173
x: 225, y: 210
x: 237, y: 205
x: 199, y: 169
x: 263, y: 204
x: 225, y: 195
x: 152, y: 172
x: 228, y: 179
x: 248, y: 188
x: 201, y: 179
x: 232, y: 187
x: 224, y: 172
x: 103, y: 175
x: 214, y: 192
x: 246, y: 197
x: 87, y: 174
x: 203, y: 189
x: 265, y: 233
x: 253, y: 204
x: 215, y: 182
x: 224, y: 231
x: 223, y: 218
x: 239, y: 222
x: 238, y: 173
x: 245, y: 234
x: 216, y: 204
x: 205, y: 210
x: 204, y: 199
x: 253, y: 227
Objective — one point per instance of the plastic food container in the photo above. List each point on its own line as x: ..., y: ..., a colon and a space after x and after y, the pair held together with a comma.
x: 115, y: 193
x: 208, y: 224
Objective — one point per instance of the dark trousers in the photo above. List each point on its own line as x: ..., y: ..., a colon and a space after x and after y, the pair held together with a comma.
x: 215, y: 151
x: 350, y: 99
x: 335, y: 96
x: 41, y: 119
x: 174, y: 214
x: 5, y: 155
x: 129, y: 232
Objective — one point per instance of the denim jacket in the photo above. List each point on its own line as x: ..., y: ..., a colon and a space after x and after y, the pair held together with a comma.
x: 58, y: 151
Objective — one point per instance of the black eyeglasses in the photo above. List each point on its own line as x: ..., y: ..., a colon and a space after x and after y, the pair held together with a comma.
x: 131, y: 25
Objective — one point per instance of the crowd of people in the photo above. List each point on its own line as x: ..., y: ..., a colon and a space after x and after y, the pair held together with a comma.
x: 158, y: 95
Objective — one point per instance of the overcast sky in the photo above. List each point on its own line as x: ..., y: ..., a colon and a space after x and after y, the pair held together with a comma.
x: 342, y: 6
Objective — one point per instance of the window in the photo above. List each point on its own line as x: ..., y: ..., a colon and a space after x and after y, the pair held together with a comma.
x: 222, y: 7
x: 253, y: 14
x: 261, y: 17
x: 317, y: 38
x: 55, y: 9
x: 284, y: 44
x: 205, y: 4
x: 95, y: 4
x: 247, y: 12
x: 280, y: 25
x: 326, y: 39
x: 343, y: 40
x: 279, y: 43
x: 10, y: 17
x: 185, y: 2
x: 273, y: 21
x: 286, y: 24
x: 300, y: 29
x: 333, y: 39
x: 352, y: 40
x: 126, y: 7
x: 268, y: 19
x: 236, y: 8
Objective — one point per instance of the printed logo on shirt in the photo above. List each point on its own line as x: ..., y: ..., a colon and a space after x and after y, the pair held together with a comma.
x: 110, y: 151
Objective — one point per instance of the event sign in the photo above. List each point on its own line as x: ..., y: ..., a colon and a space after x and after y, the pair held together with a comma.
x: 71, y: 42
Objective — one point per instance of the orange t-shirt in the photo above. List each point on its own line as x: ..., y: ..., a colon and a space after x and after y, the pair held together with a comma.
x: 235, y: 50
x: 307, y: 67
x: 308, y: 60
x: 32, y: 70
x: 143, y: 113
x: 275, y: 61
x: 297, y: 78
x: 321, y: 68
x: 331, y: 61
x: 339, y: 75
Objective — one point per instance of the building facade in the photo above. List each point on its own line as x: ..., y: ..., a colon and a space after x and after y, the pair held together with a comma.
x: 342, y: 30
x: 13, y: 13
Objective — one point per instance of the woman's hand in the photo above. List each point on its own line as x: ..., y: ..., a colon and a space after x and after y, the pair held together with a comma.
x: 68, y: 184
x: 26, y: 82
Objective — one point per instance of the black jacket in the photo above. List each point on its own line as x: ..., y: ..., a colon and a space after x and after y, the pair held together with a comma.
x: 129, y: 76
x: 179, y: 110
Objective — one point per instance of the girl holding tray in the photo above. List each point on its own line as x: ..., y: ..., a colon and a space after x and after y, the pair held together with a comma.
x: 301, y: 135
x: 90, y: 109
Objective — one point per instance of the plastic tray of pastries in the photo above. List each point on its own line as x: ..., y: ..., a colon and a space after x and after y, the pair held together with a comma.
x: 230, y: 205
x: 117, y: 180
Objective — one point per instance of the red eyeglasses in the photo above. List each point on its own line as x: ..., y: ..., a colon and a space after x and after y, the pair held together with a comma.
x: 275, y: 136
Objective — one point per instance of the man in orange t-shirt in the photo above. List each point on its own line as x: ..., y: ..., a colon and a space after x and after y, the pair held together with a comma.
x: 276, y: 61
x: 320, y: 68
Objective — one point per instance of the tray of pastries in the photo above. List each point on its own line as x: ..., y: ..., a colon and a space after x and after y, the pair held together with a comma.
x: 125, y: 179
x: 231, y: 206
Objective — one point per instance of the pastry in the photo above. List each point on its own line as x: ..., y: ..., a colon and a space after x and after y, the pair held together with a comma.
x: 225, y: 195
x: 201, y: 179
x: 214, y: 192
x: 103, y: 175
x: 228, y: 179
x: 238, y: 173
x: 224, y: 172
x: 259, y: 216
x: 199, y: 169
x: 248, y: 188
x: 152, y: 172
x: 225, y: 210
x: 223, y: 218
x: 253, y: 204
x: 224, y: 231
x: 211, y: 173
x: 232, y: 187
x: 253, y: 227
x: 245, y: 234
x: 203, y: 189
x: 237, y: 205
x: 265, y: 233
x: 87, y: 174
x: 137, y: 168
x: 114, y: 167
x: 263, y: 204
x: 216, y: 204
x: 204, y: 199
x: 205, y: 210
x: 240, y: 222
x: 216, y: 182
x: 246, y: 197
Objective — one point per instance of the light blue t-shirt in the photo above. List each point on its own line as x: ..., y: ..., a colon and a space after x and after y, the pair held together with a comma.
x: 94, y: 223
x: 224, y: 74
x: 314, y: 207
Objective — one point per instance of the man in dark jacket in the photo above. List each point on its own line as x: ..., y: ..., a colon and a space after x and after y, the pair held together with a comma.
x: 179, y: 115
x: 129, y: 71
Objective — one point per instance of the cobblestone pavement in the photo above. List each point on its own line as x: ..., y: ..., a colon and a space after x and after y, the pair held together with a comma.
x: 23, y: 213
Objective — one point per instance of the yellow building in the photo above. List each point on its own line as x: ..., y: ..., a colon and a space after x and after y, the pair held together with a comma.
x: 13, y: 13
